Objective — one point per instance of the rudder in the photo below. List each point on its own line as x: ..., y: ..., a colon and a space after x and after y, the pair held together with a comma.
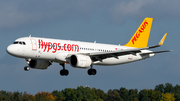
x: 141, y: 36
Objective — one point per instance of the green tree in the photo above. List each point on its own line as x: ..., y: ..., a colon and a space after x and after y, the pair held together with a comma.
x: 160, y: 88
x: 123, y: 92
x: 135, y: 99
x: 154, y: 95
x: 87, y: 94
x: 28, y: 97
x: 17, y: 96
x: 100, y: 94
x: 177, y: 89
x: 4, y: 96
x: 133, y: 93
x: 113, y: 95
x: 177, y: 93
x: 70, y: 94
x: 168, y: 88
x: 143, y: 95
x: 59, y: 95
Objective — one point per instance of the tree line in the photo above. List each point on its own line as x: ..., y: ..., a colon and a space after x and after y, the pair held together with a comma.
x: 161, y: 92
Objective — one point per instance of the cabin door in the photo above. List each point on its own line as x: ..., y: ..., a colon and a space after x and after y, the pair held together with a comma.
x: 34, y: 44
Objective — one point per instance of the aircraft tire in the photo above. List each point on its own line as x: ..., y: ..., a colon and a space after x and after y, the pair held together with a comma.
x: 64, y: 72
x: 26, y: 68
x: 92, y: 71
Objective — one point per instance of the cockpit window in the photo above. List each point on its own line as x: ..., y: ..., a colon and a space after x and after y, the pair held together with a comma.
x: 24, y: 43
x: 20, y: 42
x: 16, y: 42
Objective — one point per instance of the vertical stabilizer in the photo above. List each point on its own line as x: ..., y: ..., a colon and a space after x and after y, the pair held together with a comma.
x: 141, y: 36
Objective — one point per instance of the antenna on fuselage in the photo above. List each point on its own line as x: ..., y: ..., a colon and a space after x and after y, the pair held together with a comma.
x: 30, y: 35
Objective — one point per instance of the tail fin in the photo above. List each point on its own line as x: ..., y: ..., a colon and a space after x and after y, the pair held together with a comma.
x: 141, y: 36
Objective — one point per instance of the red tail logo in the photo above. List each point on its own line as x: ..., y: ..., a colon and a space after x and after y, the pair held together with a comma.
x: 138, y: 33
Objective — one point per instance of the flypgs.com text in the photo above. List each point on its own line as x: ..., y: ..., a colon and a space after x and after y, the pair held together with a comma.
x: 57, y: 46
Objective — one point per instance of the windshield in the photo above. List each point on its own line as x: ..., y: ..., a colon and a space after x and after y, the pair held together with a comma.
x: 20, y: 42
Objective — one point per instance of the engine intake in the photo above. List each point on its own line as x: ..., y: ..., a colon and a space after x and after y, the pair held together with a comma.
x: 80, y: 61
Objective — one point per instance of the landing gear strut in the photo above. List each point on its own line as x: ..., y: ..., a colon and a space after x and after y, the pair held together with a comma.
x: 92, y: 71
x: 63, y: 72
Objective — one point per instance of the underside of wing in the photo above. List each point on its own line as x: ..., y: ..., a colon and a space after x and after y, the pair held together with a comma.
x: 99, y: 56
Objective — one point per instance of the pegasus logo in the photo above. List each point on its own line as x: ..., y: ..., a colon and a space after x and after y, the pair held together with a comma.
x: 138, y: 33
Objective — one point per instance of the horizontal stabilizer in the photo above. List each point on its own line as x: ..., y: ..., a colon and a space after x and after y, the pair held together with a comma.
x: 157, y: 52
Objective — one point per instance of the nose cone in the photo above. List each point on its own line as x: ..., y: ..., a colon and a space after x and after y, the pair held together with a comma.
x: 11, y: 49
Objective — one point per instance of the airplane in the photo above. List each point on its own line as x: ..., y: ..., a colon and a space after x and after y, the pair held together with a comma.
x: 40, y: 52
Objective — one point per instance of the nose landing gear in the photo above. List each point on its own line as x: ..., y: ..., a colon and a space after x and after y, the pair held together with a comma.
x: 26, y: 68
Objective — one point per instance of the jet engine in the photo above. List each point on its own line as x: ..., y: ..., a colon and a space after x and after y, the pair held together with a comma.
x: 80, y: 61
x: 39, y: 64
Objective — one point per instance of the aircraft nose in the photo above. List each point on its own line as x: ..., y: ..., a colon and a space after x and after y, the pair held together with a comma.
x: 10, y: 49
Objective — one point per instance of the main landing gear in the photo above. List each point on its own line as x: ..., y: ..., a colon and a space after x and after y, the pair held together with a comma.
x: 92, y: 71
x: 64, y: 72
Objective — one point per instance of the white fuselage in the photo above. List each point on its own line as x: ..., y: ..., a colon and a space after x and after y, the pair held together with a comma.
x: 56, y: 50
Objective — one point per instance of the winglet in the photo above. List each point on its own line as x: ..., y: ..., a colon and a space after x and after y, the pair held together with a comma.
x: 163, y: 39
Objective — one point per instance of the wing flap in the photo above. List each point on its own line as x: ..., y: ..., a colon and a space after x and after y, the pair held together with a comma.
x: 103, y: 55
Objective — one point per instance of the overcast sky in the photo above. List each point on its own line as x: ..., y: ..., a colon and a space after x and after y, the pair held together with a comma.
x: 103, y: 21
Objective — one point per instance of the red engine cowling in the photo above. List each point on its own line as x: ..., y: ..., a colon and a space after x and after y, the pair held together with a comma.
x: 80, y: 61
x: 39, y: 64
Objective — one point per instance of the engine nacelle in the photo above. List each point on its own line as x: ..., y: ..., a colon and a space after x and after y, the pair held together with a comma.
x: 39, y: 64
x: 80, y: 61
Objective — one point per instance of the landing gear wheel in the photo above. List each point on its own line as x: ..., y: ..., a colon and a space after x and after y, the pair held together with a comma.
x: 92, y: 71
x: 26, y: 68
x: 89, y: 71
x: 61, y: 73
x: 64, y: 72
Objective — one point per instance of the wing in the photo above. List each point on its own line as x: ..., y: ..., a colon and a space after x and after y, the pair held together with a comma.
x: 99, y: 56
